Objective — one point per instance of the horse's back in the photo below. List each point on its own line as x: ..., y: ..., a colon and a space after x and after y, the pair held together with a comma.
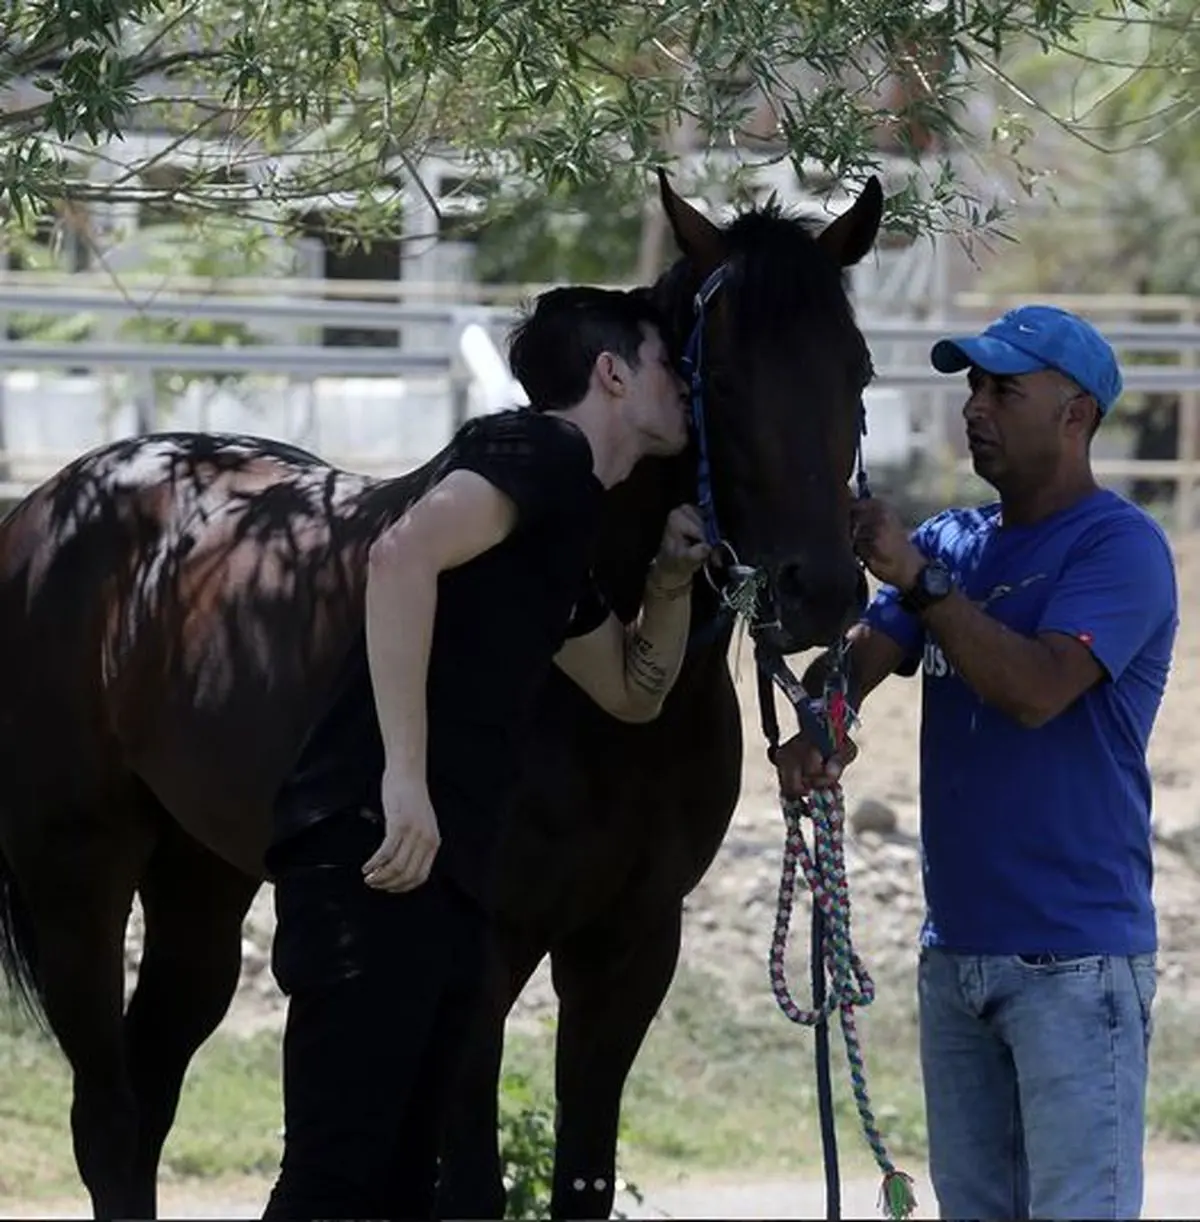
x: 176, y: 603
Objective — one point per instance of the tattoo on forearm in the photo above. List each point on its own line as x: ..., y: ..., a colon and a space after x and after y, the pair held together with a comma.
x: 641, y: 659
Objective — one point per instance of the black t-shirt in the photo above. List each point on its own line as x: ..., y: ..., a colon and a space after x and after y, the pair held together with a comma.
x: 499, y: 621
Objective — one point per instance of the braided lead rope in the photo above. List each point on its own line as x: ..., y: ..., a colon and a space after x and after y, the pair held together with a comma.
x: 850, y: 985
x: 824, y: 871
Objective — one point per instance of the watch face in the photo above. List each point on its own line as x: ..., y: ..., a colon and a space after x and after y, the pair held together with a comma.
x: 937, y: 580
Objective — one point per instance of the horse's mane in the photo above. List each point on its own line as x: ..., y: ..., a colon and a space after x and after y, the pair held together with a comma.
x: 777, y: 270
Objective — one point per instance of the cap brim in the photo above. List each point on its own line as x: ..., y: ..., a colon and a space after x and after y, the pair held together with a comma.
x: 985, y: 352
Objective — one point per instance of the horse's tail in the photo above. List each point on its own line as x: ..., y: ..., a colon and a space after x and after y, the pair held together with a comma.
x: 18, y: 958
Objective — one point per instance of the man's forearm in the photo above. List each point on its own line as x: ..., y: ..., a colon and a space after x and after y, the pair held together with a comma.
x: 817, y: 673
x: 870, y: 656
x: 655, y: 644
x: 1006, y: 669
x: 401, y: 600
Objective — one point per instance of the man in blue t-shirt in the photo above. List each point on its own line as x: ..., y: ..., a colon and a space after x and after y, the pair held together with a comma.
x: 1043, y: 626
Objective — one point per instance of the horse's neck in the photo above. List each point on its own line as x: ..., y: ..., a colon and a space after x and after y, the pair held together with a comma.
x: 635, y: 516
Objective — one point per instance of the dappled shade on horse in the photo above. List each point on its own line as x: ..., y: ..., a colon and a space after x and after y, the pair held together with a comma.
x: 173, y: 609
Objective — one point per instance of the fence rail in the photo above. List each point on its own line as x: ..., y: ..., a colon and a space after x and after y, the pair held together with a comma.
x: 235, y: 309
x: 291, y: 359
x: 1127, y: 336
x: 1138, y: 327
x: 130, y: 284
x: 298, y: 360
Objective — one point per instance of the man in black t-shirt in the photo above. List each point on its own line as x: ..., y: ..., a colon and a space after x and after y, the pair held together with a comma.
x: 385, y: 830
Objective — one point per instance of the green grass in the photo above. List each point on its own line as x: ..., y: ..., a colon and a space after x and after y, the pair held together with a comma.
x: 712, y: 1092
x: 717, y: 1092
x: 228, y: 1122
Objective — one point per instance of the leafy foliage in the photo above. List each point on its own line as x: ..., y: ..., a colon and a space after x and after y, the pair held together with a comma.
x: 1121, y: 161
x: 527, y: 1149
x: 277, y: 105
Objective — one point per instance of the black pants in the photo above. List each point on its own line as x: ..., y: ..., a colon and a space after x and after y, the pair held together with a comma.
x: 381, y: 988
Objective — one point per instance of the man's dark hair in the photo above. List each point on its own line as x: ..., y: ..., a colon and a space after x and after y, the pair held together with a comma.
x: 553, y: 350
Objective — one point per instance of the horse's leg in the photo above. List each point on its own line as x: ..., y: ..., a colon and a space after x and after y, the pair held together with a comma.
x: 77, y: 873
x: 194, y: 904
x: 471, y: 1179
x: 610, y: 983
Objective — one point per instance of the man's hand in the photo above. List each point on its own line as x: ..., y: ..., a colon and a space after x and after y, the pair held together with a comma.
x: 883, y: 543
x: 681, y: 552
x: 410, y: 842
x: 801, y: 768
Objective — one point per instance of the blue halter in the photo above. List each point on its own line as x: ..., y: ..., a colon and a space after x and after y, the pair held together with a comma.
x: 693, y: 366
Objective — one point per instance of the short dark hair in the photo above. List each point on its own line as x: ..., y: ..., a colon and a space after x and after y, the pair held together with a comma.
x: 553, y: 350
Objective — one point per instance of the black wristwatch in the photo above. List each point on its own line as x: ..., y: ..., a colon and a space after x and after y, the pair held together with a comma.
x: 933, y: 583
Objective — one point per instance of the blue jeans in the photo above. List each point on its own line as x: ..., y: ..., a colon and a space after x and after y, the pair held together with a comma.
x: 1035, y: 1083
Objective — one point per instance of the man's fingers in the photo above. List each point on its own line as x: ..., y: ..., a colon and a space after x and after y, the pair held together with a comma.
x: 797, y: 770
x: 419, y: 872
x: 686, y: 535
x: 411, y: 865
x: 394, y: 870
x: 801, y: 769
x: 690, y: 515
x: 383, y: 854
x: 835, y: 765
x: 793, y: 783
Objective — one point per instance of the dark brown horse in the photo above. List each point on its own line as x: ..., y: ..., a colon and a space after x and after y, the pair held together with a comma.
x: 174, y: 607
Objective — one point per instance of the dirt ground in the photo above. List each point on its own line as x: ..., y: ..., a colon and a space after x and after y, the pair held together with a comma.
x: 1172, y: 1185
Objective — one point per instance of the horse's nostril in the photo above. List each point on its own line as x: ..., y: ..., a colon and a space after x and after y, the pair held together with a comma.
x: 790, y: 582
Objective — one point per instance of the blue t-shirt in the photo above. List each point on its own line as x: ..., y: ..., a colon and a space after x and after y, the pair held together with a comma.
x: 1037, y: 841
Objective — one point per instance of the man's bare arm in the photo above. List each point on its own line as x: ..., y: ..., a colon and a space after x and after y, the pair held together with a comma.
x: 459, y: 519
x: 628, y: 671
x: 873, y: 656
x: 1032, y: 679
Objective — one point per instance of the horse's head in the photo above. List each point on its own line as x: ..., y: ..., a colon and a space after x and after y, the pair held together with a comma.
x: 758, y: 311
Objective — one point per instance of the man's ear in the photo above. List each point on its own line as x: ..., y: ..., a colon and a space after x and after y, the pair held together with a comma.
x: 608, y: 371
x: 1082, y: 413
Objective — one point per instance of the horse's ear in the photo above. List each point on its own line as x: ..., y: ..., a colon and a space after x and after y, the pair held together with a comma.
x: 848, y: 238
x: 697, y: 237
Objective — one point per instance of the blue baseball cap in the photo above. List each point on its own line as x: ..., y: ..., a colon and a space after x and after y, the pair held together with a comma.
x: 1036, y: 337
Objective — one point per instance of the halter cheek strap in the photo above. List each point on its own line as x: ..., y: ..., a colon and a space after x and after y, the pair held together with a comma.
x: 693, y: 365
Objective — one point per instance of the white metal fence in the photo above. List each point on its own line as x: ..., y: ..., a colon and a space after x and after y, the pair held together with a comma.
x: 384, y: 408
